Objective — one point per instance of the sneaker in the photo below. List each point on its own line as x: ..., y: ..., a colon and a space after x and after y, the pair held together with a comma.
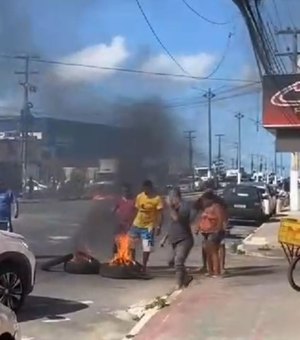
x: 188, y: 280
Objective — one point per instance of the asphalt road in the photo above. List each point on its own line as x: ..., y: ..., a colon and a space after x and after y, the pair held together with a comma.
x: 69, y: 306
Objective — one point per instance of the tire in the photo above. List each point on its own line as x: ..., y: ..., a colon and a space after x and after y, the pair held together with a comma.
x: 56, y: 261
x: 12, y: 287
x: 290, y: 273
x: 122, y: 272
x: 82, y: 268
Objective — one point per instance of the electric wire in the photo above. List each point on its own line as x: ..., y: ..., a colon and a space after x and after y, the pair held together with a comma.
x: 205, y: 18
x: 158, y: 39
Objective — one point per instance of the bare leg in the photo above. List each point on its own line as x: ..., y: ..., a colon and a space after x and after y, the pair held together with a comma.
x: 146, y: 255
x: 215, y: 259
x: 222, y: 254
x: 209, y: 251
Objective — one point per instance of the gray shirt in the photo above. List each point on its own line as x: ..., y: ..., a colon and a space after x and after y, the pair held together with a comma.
x: 181, y: 229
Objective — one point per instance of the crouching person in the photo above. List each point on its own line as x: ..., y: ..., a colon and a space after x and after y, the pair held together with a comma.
x: 180, y: 236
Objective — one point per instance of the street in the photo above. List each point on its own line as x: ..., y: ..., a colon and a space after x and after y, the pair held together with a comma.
x: 70, y: 306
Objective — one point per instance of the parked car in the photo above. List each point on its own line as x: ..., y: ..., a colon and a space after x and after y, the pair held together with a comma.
x: 268, y: 196
x: 185, y: 185
x: 17, y: 270
x: 244, y: 203
x: 9, y: 328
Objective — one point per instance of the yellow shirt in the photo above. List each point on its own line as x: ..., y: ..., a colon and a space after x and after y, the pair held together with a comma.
x: 148, y: 209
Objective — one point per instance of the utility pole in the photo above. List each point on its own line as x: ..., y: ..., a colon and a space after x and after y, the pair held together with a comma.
x: 239, y: 117
x: 294, y: 172
x: 275, y: 164
x: 189, y: 135
x: 209, y: 95
x: 219, y: 157
x: 25, y: 111
x: 236, y: 146
x: 252, y: 163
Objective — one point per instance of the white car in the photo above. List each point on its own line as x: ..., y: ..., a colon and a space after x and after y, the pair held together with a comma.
x: 17, y: 270
x: 268, y: 197
x: 9, y: 328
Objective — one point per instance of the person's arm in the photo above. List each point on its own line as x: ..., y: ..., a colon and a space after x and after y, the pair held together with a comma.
x: 174, y: 214
x: 164, y: 240
x: 15, y: 203
x: 159, y: 220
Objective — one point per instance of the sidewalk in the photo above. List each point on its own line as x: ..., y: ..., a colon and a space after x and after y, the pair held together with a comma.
x: 254, y: 302
x: 264, y: 241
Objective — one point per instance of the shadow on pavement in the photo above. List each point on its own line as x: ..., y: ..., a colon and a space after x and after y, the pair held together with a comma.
x: 38, y: 307
x: 165, y: 271
x: 250, y: 271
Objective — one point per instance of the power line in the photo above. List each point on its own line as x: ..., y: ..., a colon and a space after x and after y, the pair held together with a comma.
x: 216, y: 69
x: 157, y: 37
x: 203, y: 17
x: 141, y: 72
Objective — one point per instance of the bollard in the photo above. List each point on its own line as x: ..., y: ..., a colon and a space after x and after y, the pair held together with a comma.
x: 278, y: 205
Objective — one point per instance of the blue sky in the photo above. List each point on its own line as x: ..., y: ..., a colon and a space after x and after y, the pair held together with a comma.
x: 114, y: 33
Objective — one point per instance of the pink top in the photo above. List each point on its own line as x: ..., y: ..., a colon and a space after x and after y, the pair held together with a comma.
x: 125, y: 209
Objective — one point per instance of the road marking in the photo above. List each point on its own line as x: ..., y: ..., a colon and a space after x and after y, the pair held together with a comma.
x: 58, y: 238
x: 26, y: 338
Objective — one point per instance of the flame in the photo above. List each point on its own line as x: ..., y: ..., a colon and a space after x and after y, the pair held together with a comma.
x: 124, y: 255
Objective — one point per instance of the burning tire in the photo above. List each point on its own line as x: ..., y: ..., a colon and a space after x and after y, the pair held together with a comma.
x: 125, y: 272
x: 85, y: 267
x: 56, y: 261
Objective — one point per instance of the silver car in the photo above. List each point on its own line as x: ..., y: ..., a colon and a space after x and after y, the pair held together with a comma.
x: 9, y: 328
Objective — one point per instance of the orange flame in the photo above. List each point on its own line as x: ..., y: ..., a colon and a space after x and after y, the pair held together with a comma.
x: 124, y: 255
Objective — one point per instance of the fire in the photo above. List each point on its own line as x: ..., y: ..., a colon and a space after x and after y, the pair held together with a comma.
x: 123, y: 256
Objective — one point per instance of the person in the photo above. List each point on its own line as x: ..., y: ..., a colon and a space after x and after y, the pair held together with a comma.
x: 30, y: 184
x: 148, y: 220
x: 212, y: 227
x: 125, y: 211
x: 210, y: 196
x: 7, y: 200
x: 179, y: 235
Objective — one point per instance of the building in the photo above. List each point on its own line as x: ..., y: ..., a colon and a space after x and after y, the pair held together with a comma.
x: 59, y: 143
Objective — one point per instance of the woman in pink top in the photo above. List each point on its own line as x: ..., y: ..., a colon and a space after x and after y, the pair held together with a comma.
x: 125, y: 211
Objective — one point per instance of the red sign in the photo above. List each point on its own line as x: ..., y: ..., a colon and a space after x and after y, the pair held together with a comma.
x: 281, y: 101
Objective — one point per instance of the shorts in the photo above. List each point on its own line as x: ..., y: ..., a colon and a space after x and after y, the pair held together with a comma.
x: 217, y: 238
x: 145, y: 235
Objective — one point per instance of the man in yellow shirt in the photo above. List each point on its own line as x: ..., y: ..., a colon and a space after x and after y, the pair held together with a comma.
x: 148, y: 219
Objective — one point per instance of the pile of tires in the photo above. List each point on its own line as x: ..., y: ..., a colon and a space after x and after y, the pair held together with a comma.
x: 84, y: 267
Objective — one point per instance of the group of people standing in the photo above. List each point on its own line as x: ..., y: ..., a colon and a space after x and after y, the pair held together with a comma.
x: 142, y: 218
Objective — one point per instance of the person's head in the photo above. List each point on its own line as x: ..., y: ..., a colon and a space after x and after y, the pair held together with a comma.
x: 148, y: 187
x: 175, y: 197
x: 126, y: 190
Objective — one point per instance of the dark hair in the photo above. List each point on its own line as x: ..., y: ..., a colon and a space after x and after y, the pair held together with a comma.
x: 207, y: 199
x: 148, y: 184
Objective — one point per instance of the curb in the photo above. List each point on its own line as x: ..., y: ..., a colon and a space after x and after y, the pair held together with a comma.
x: 148, y: 315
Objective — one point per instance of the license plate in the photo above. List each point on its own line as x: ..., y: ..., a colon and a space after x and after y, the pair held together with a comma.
x: 242, y: 206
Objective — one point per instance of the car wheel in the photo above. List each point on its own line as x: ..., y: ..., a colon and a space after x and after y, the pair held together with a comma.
x: 12, y: 290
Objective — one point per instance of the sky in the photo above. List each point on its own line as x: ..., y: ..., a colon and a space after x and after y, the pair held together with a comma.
x: 114, y: 33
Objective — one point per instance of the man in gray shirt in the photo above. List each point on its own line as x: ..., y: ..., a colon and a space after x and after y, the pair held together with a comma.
x: 180, y: 235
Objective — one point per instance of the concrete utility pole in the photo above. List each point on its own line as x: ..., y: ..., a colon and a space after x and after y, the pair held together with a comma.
x: 219, y: 157
x: 239, y: 117
x: 209, y: 95
x: 25, y: 111
x: 252, y: 163
x: 294, y: 173
x: 189, y: 135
